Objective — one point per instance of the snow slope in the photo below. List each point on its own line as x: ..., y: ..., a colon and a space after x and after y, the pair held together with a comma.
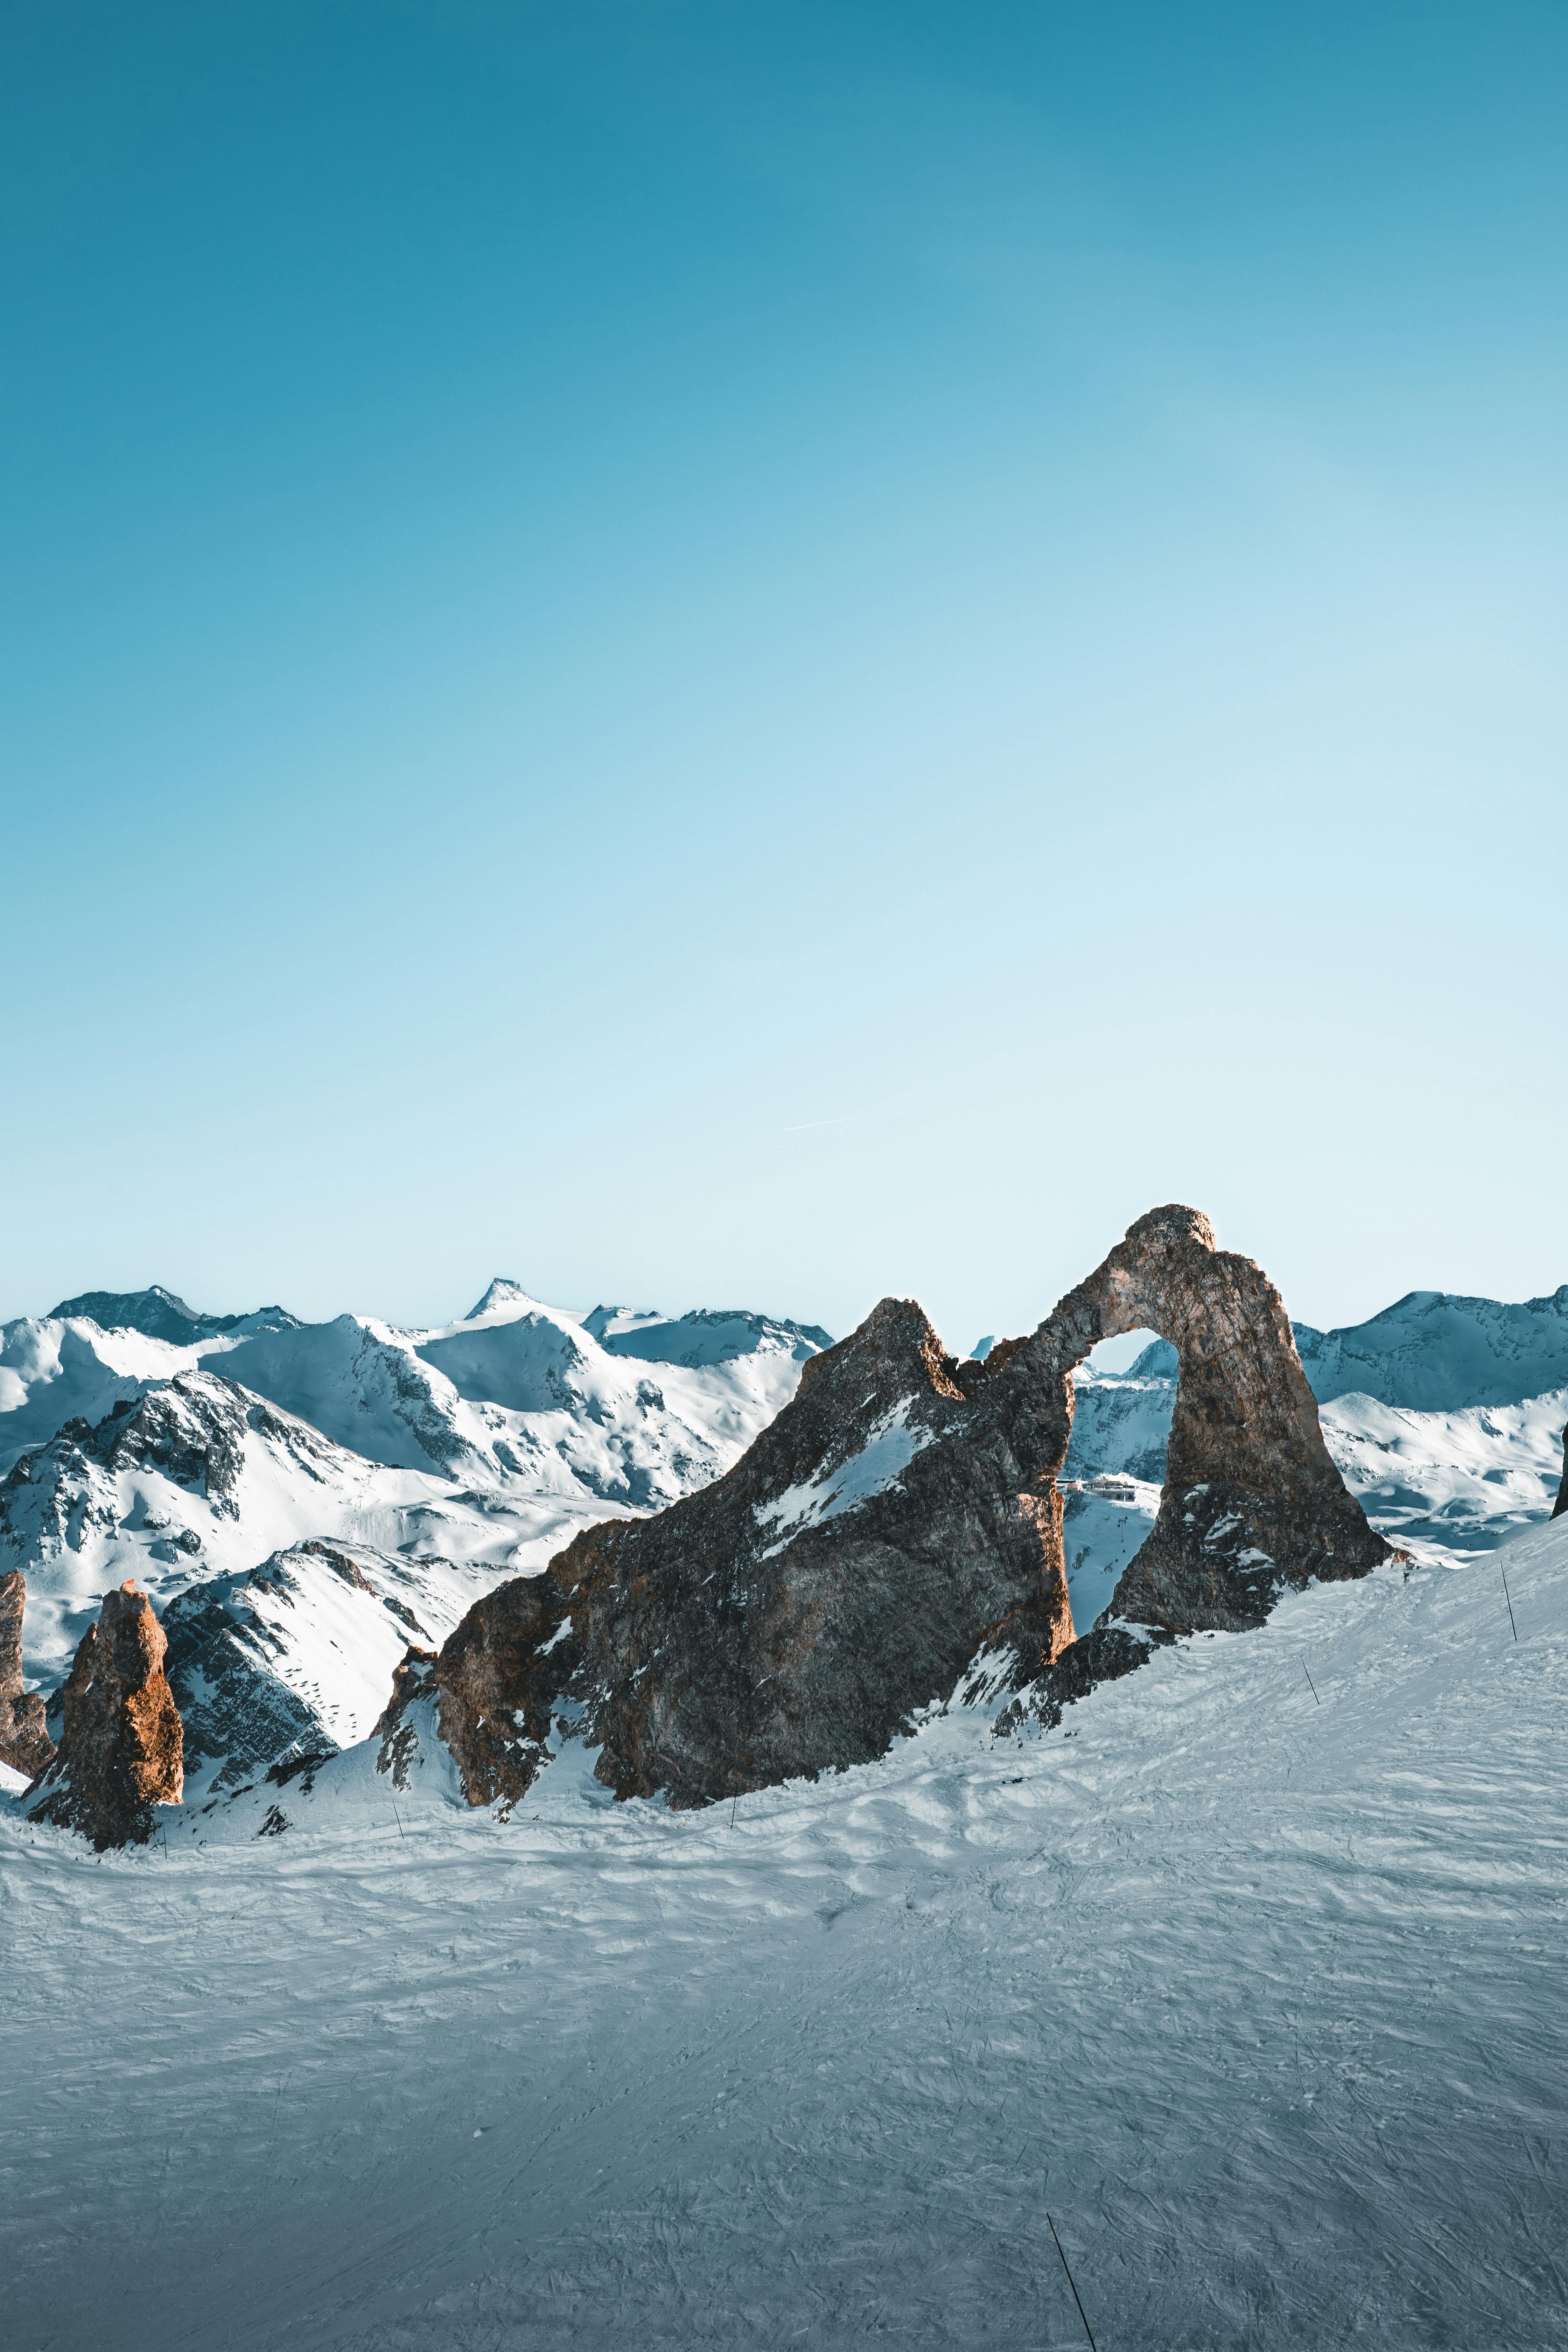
x: 1258, y: 1993
x: 1466, y: 1479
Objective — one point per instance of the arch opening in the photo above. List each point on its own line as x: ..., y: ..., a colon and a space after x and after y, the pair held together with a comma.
x: 1113, y: 1473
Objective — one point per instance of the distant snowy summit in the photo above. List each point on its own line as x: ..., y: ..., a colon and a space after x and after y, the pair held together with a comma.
x: 160, y: 1314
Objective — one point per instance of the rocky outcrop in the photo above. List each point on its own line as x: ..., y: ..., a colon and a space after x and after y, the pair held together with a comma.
x: 495, y: 1684
x: 1560, y: 1505
x: 121, y: 1751
x: 25, y: 1744
x: 897, y: 1522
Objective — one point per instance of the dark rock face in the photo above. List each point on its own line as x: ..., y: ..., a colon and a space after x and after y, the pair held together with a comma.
x: 25, y: 1744
x: 898, y: 1524
x: 1560, y: 1505
x: 121, y: 1752
x: 898, y: 1516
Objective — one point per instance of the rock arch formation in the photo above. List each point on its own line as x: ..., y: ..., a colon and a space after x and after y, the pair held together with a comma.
x: 1252, y: 1501
x: 898, y: 1518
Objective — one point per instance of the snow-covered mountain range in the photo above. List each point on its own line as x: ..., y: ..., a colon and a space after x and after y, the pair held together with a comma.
x: 318, y: 1494
x: 485, y: 1442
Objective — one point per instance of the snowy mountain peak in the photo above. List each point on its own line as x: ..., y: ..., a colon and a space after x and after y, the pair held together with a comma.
x: 506, y: 1297
x: 160, y: 1314
x: 706, y: 1335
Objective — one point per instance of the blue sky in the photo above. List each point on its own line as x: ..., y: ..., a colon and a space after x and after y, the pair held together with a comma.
x: 709, y: 654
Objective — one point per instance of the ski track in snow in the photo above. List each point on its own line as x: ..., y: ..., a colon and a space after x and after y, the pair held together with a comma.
x: 1261, y: 1994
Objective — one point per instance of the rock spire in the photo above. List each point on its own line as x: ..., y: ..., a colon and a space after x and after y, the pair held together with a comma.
x: 120, y: 1747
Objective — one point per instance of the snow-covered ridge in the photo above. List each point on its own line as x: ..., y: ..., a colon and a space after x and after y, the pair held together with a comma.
x: 517, y: 1389
x: 1439, y: 1353
x: 159, y: 1314
x: 195, y: 1477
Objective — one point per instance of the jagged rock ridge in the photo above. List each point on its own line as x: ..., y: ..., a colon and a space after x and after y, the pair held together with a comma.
x: 798, y: 1612
x: 898, y: 1518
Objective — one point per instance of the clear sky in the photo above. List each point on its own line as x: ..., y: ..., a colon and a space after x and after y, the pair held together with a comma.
x: 760, y: 654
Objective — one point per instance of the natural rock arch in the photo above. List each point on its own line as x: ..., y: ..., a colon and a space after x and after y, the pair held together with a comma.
x: 900, y: 1517
x: 1251, y: 1500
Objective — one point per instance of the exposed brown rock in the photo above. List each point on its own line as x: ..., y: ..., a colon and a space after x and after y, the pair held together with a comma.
x: 120, y: 1749
x: 25, y: 1744
x: 495, y: 1684
x: 899, y: 1521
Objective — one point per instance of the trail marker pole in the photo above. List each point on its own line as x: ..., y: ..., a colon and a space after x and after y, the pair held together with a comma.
x: 1311, y: 1685
x: 1083, y: 2314
x: 1507, y: 1597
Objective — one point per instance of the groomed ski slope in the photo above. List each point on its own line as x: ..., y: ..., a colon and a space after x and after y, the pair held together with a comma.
x: 1263, y: 1995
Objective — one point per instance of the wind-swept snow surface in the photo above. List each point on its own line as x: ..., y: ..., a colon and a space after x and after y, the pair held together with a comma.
x: 1260, y: 1992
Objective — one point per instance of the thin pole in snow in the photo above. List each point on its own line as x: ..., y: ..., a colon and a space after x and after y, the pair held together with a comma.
x: 398, y: 1817
x: 1311, y: 1685
x: 734, y: 1800
x: 1507, y: 1597
x: 1076, y: 2296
